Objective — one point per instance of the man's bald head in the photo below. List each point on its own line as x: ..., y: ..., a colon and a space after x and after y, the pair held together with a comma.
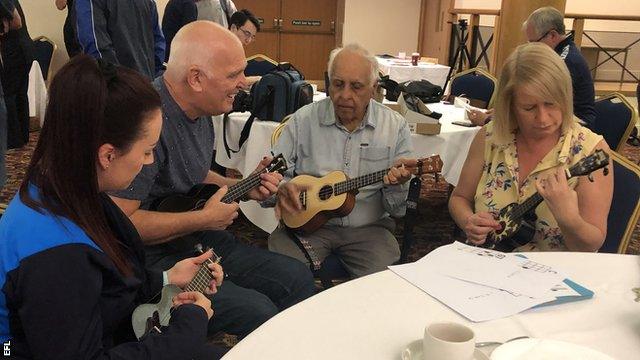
x: 206, y: 68
x: 200, y: 43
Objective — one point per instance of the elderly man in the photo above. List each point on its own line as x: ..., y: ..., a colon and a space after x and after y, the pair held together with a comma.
x: 204, y: 73
x: 353, y: 133
x: 546, y: 25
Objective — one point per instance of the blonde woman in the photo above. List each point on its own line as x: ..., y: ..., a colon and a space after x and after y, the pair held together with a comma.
x: 533, y: 138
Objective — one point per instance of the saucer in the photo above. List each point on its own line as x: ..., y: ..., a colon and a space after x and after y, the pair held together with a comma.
x: 413, y: 351
x: 535, y: 349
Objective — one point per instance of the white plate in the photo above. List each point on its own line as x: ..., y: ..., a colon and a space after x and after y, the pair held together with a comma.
x: 413, y: 351
x: 539, y: 349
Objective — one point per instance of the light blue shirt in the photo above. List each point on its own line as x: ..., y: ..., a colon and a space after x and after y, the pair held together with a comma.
x: 315, y: 144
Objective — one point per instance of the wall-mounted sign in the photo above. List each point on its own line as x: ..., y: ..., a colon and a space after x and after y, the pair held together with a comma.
x: 306, y: 22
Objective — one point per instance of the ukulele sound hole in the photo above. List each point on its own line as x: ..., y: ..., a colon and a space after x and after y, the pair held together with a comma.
x: 326, y: 192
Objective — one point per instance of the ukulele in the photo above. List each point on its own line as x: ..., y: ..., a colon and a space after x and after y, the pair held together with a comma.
x: 148, y: 318
x: 334, y: 195
x: 517, y: 221
x: 197, y: 197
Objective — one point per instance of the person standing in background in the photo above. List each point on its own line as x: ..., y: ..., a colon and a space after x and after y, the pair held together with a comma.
x: 16, y: 48
x: 124, y: 32
x: 177, y: 14
x: 69, y: 29
x: 219, y: 11
x: 9, y: 19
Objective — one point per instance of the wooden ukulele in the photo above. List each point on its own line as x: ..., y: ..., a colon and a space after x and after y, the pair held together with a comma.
x: 197, y: 197
x: 334, y: 195
x: 149, y: 318
x: 517, y: 221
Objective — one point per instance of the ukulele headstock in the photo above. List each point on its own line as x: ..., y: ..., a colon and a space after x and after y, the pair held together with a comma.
x: 429, y: 165
x: 598, y: 160
x: 215, y: 258
x: 278, y: 164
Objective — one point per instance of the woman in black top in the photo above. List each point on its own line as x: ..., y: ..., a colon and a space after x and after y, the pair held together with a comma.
x: 71, y: 264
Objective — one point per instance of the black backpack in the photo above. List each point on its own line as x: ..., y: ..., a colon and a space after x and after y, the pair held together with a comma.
x: 277, y: 94
x: 423, y: 89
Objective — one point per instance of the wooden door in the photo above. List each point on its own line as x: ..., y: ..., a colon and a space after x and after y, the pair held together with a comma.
x: 267, y: 40
x: 435, y: 31
x: 308, y: 34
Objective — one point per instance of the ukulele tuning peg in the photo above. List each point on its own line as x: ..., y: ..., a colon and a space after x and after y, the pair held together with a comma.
x: 590, y: 177
x: 605, y: 171
x: 198, y: 248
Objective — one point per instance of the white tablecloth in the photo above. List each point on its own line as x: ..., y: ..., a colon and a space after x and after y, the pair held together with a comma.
x: 402, y: 70
x: 375, y: 317
x: 37, y: 92
x: 452, y: 144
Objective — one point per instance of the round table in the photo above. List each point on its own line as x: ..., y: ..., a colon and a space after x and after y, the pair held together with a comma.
x: 376, y: 316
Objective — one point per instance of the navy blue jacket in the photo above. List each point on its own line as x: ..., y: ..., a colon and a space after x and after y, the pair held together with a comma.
x: 63, y: 298
x: 125, y: 32
x: 583, y: 91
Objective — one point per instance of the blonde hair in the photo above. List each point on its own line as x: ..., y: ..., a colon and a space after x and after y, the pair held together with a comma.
x: 538, y: 68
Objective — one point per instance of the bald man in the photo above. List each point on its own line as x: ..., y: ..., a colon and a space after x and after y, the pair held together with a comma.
x: 204, y: 73
x: 350, y: 132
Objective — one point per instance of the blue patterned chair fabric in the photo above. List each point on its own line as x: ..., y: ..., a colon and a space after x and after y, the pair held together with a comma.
x: 614, y: 120
x: 258, y: 67
x: 474, y: 85
x: 623, y: 214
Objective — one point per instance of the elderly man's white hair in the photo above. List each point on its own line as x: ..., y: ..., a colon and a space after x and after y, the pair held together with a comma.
x: 358, y: 49
x: 545, y: 19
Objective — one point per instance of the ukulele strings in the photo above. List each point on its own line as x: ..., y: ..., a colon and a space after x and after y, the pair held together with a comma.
x: 204, y: 265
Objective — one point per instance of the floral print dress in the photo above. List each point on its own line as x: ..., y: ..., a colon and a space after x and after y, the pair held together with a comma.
x: 498, y: 186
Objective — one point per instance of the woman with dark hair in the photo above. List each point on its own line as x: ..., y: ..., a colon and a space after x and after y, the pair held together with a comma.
x: 71, y: 264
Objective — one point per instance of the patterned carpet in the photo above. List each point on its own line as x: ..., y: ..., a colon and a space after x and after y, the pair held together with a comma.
x: 434, y: 226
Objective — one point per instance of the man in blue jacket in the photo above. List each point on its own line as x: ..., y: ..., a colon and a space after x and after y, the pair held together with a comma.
x: 124, y: 32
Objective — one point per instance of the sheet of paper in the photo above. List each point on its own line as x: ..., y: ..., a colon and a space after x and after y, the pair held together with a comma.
x: 475, y: 302
x: 494, y: 269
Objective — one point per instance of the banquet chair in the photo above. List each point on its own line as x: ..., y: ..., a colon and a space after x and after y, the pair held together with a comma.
x: 625, y: 204
x: 259, y: 64
x: 476, y: 84
x: 615, y: 119
x: 44, y: 49
x: 331, y: 271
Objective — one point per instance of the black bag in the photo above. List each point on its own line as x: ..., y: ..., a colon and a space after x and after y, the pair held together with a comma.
x: 391, y: 86
x: 277, y: 94
x: 423, y: 89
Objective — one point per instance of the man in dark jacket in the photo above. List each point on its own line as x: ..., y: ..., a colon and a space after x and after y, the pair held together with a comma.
x: 177, y: 14
x: 546, y: 25
x: 125, y: 32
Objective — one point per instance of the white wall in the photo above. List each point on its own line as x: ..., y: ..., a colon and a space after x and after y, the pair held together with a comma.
x: 382, y: 26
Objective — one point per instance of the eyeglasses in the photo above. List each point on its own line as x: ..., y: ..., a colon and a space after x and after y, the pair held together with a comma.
x: 543, y: 36
x: 248, y: 34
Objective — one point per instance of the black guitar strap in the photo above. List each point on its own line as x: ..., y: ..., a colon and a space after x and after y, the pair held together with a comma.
x: 306, y: 248
x: 410, y: 217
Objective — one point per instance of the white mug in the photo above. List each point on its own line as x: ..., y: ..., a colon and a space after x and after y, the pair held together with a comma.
x: 402, y: 55
x: 448, y: 341
x: 460, y: 102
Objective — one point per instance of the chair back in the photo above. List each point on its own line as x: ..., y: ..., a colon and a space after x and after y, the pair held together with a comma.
x: 259, y: 64
x: 615, y: 119
x: 476, y: 84
x: 278, y: 130
x: 43, y: 53
x: 625, y: 204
